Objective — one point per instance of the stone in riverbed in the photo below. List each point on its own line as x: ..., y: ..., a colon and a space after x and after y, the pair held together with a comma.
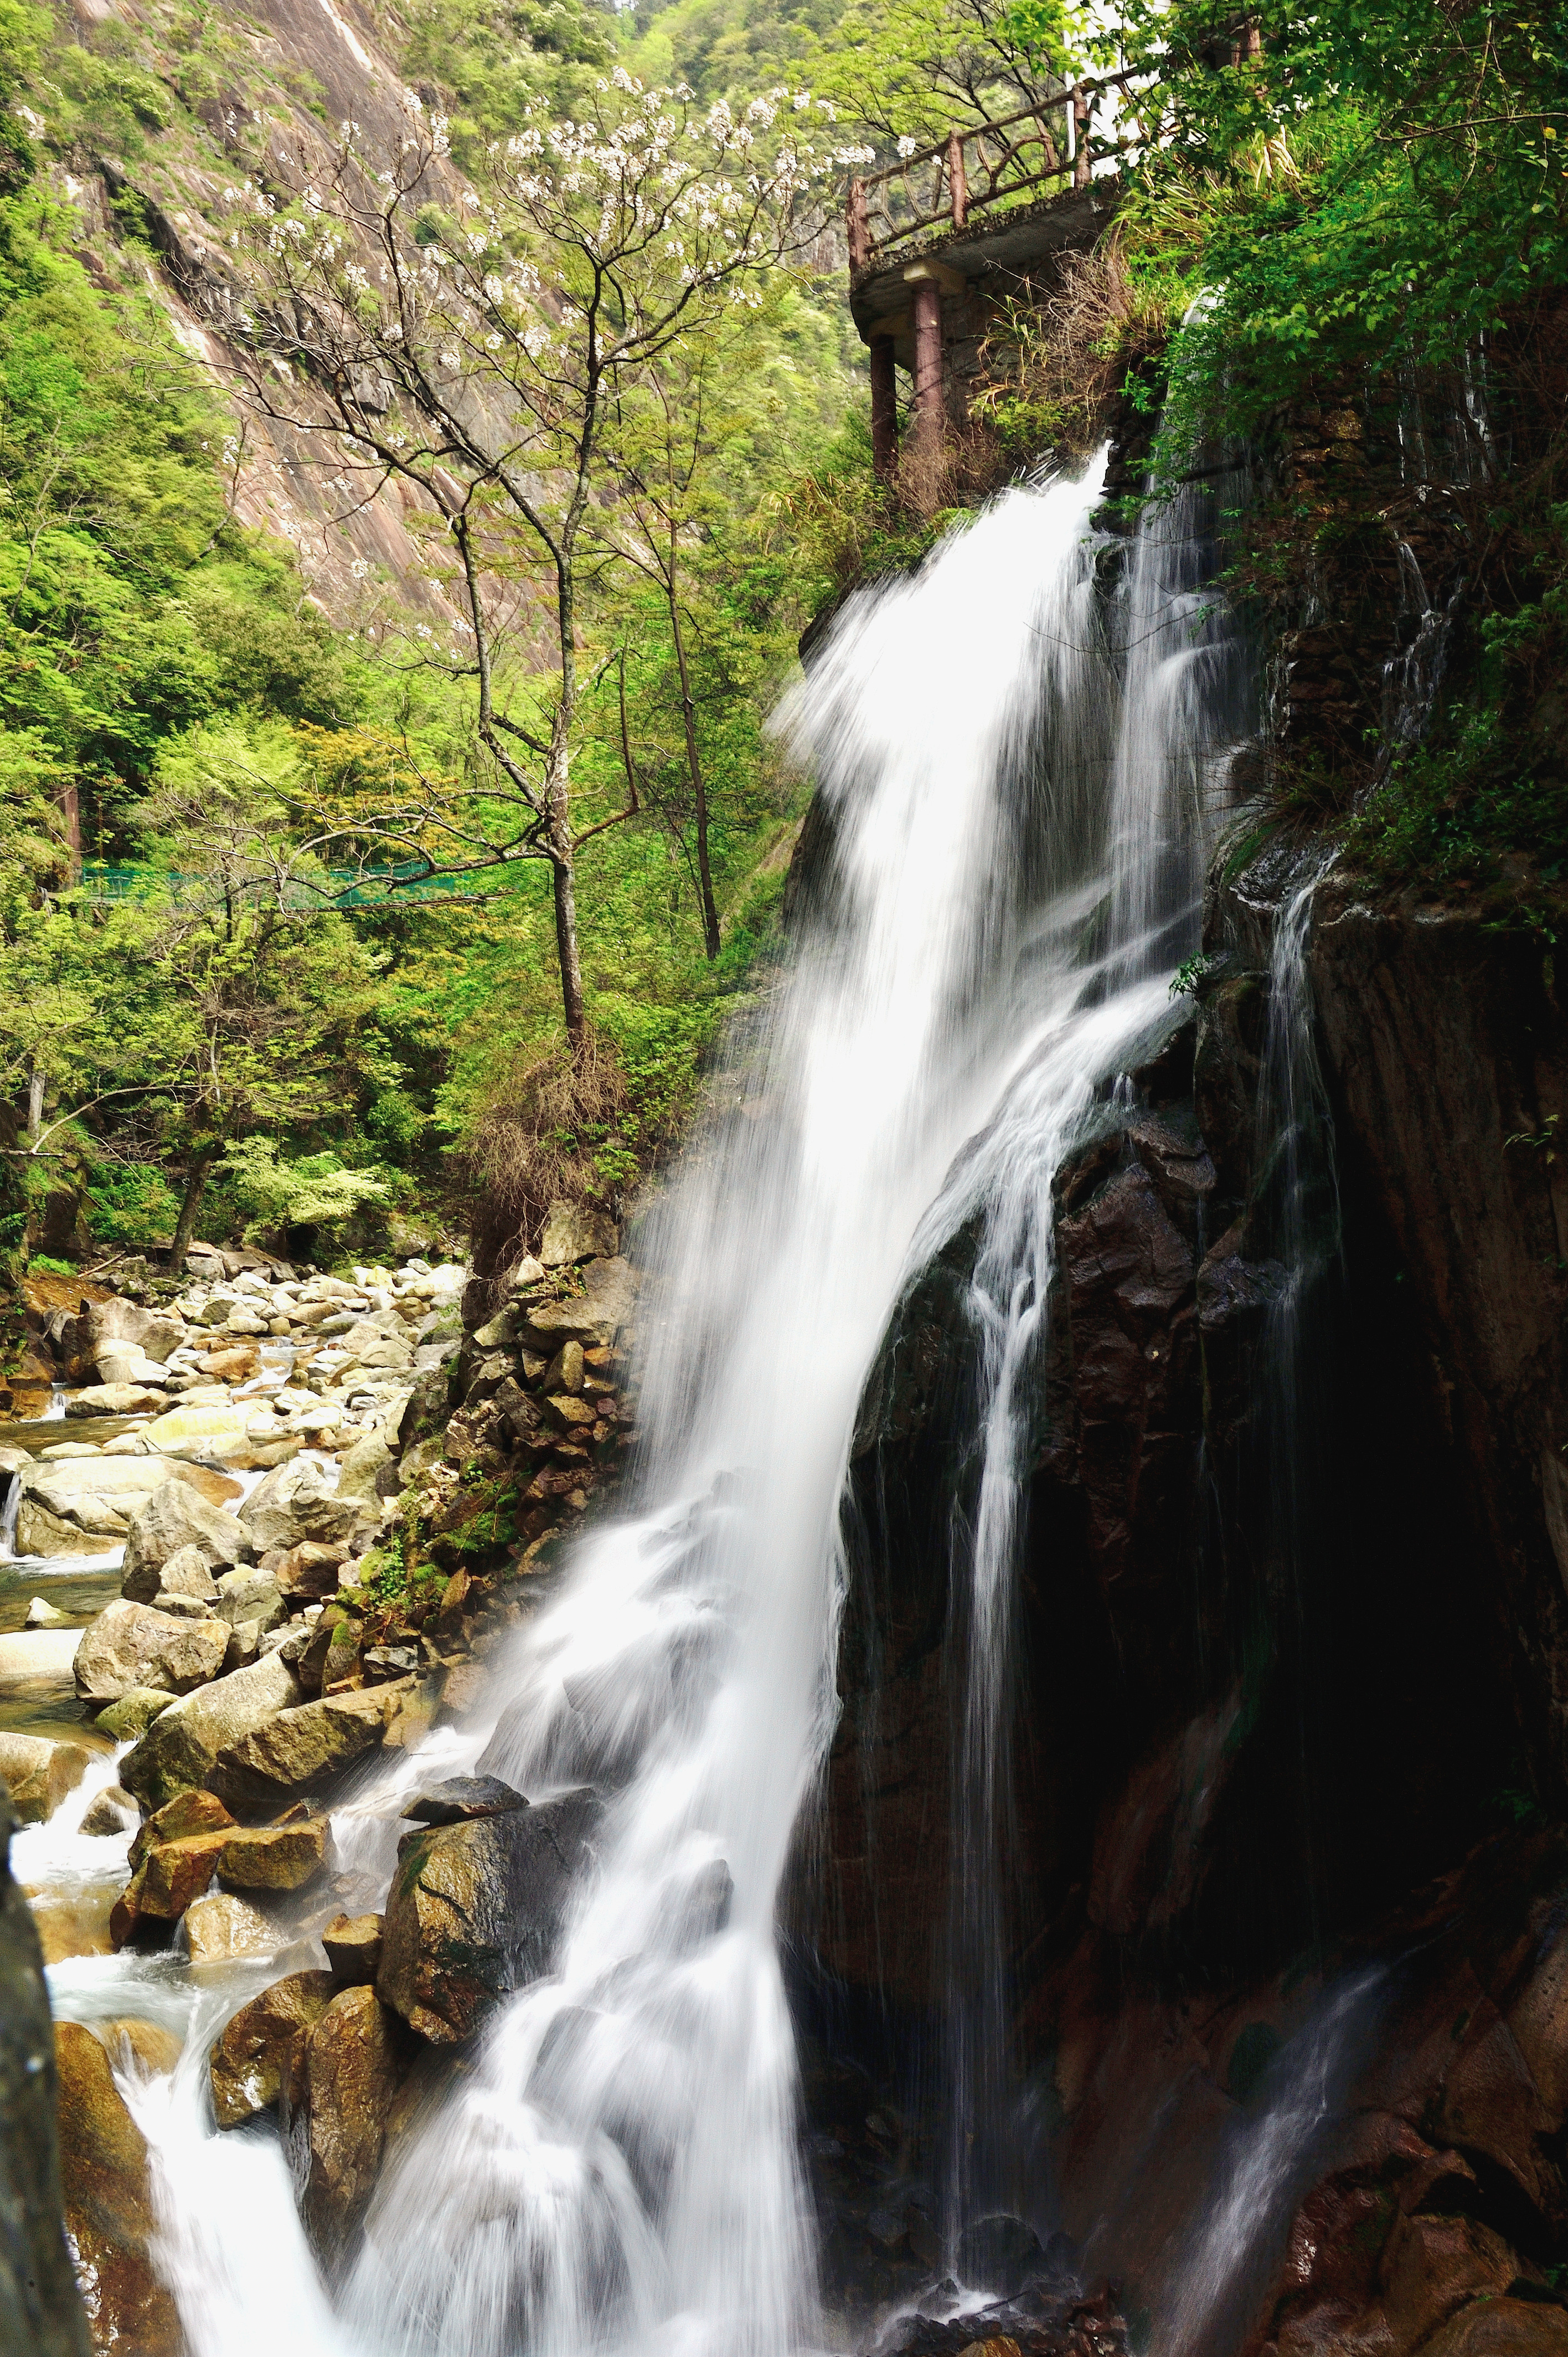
x: 176, y: 1518
x: 298, y: 1502
x: 221, y: 1927
x: 310, y: 1569
x: 188, y: 1573
x: 459, y: 1798
x: 133, y: 1646
x: 274, y: 1858
x: 128, y: 1719
x: 360, y: 1467
x: 261, y: 2053
x: 300, y: 1750
x: 353, y: 1945
x: 355, y: 2062
x: 111, y: 1813
x: 116, y: 1399
x: 42, y: 1615
x: 163, y: 1885
x: 38, y: 1774
x: 250, y: 1596
x: 180, y: 1820
x: 476, y: 1910
x: 107, y: 2205
x: 181, y: 1747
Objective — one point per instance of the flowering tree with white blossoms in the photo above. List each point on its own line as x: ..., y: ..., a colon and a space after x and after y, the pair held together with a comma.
x: 473, y: 337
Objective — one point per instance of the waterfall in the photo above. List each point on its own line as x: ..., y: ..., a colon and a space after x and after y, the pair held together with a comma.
x: 1017, y: 771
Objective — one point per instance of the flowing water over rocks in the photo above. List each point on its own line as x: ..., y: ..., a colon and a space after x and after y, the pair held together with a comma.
x: 502, y: 2003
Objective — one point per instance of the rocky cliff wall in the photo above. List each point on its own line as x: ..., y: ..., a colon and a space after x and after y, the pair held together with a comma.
x: 1288, y: 1688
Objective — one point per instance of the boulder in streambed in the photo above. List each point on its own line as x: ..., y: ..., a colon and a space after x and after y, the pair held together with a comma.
x: 457, y: 1799
x: 116, y: 1399
x: 97, y: 1497
x: 301, y: 1750
x: 173, y: 1859
x: 356, y: 2058
x: 175, y: 1517
x: 108, y: 2204
x: 250, y: 1596
x: 128, y: 1719
x: 260, y: 2055
x: 476, y: 1910
x: 353, y: 1945
x: 215, y: 1433
x: 133, y: 1646
x: 37, y: 1774
x: 296, y: 1503
x: 220, y: 1927
x: 109, y: 1815
x: 274, y: 1858
x: 181, y: 1747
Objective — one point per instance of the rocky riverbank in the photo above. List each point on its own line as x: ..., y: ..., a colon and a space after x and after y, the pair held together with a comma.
x: 331, y: 1498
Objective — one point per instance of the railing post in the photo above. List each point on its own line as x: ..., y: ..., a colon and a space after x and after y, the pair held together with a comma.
x: 884, y: 411
x: 958, y: 187
x: 1082, y: 111
x: 858, y: 226
x: 928, y: 404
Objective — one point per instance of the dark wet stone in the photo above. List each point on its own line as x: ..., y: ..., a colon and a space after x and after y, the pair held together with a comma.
x: 459, y: 1798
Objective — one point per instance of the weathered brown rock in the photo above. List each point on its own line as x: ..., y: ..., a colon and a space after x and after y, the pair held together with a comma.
x: 592, y: 1318
x: 310, y: 1569
x: 260, y: 2055
x: 175, y: 1517
x: 128, y: 1719
x: 353, y: 1945
x: 475, y: 1911
x: 108, y: 2208
x: 274, y: 1858
x: 37, y: 1773
x: 1503, y: 2328
x: 111, y: 1812
x: 297, y: 1503
x: 163, y: 1885
x: 354, y: 2064
x: 180, y: 1820
x: 131, y: 1646
x: 220, y: 1927
x: 181, y: 1747
x: 304, y: 1749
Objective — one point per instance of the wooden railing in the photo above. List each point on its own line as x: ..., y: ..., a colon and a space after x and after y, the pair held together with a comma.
x: 995, y: 167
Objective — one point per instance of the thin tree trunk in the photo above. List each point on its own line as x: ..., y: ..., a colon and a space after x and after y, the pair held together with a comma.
x: 699, y: 790
x: 558, y: 789
x: 195, y: 1187
x: 35, y: 1104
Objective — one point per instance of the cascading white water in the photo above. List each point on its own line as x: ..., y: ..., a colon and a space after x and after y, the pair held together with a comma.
x: 1014, y: 876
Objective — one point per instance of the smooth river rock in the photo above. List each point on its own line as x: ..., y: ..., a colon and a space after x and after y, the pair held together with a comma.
x: 181, y: 1747
x: 131, y: 1646
x: 355, y: 2062
x: 174, y: 1518
x: 260, y: 2055
x: 297, y: 1501
x: 37, y: 1773
x: 475, y: 1909
x: 107, y: 2205
x: 303, y: 1750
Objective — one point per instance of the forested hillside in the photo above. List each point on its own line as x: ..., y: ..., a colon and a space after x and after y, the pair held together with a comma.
x: 281, y: 944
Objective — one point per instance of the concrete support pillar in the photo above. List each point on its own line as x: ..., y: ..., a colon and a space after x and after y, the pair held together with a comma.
x: 926, y: 434
x: 884, y: 411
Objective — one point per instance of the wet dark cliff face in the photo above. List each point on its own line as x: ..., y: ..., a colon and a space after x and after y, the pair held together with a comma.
x: 1291, y: 1672
x: 40, y: 2308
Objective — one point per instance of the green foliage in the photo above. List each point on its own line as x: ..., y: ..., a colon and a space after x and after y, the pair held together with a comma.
x: 1377, y: 188
x: 314, y: 1192
x: 130, y: 1203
